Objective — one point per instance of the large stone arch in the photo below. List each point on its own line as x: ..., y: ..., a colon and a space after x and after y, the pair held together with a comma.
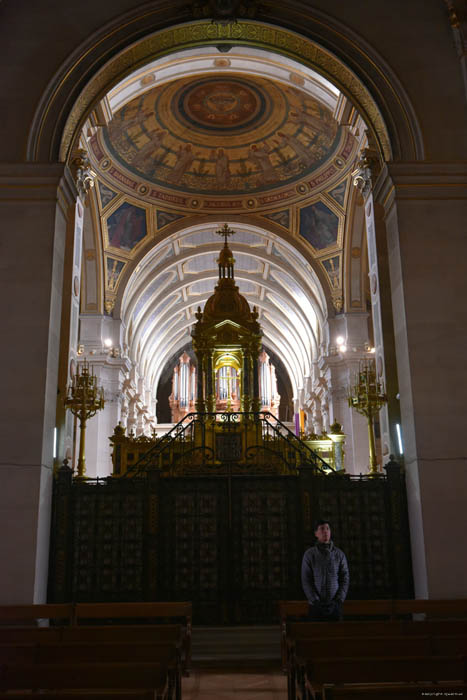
x: 137, y: 37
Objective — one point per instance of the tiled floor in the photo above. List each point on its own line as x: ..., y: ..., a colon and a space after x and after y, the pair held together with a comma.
x: 264, y: 682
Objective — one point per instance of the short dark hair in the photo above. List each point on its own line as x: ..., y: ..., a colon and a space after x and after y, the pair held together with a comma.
x: 321, y: 522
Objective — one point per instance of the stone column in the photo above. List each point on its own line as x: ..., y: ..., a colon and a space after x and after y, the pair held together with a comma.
x: 110, y: 373
x: 34, y: 202
x: 362, y: 178
x: 426, y: 214
x: 338, y: 367
x: 101, y: 340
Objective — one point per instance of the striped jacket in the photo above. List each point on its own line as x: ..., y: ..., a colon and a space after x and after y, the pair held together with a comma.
x: 325, y: 574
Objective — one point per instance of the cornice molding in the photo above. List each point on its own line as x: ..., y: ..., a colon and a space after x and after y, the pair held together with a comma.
x: 429, y: 180
x: 36, y: 182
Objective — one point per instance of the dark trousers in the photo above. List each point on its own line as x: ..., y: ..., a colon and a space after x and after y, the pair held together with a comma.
x: 325, y: 612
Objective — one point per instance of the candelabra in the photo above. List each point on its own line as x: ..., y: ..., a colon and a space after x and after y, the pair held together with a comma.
x: 84, y: 399
x: 367, y: 396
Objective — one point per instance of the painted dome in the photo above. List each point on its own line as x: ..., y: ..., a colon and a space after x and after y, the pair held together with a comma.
x: 217, y: 135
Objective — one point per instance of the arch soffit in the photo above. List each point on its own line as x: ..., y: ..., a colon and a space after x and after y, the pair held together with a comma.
x: 276, y: 296
x: 340, y: 56
x: 256, y: 224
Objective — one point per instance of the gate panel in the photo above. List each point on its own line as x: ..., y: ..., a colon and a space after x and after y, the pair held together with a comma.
x: 108, y: 526
x: 195, y: 544
x: 265, y: 538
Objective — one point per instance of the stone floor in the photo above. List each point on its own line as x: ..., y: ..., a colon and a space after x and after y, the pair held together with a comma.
x: 235, y: 663
x: 230, y: 683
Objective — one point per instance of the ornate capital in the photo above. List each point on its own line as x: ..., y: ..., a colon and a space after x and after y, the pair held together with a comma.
x: 84, y: 176
x: 366, y: 168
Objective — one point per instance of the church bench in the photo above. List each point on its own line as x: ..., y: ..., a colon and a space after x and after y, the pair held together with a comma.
x: 377, y: 628
x: 299, y: 609
x: 449, y: 608
x: 182, y: 611
x: 394, y: 691
x: 320, y: 672
x: 101, y: 633
x: 307, y: 640
x: 116, y: 694
x: 391, y: 609
x: 449, y: 644
x: 301, y: 651
x: 32, y: 635
x: 30, y: 614
x: 133, y: 676
x: 166, y: 654
x: 129, y: 634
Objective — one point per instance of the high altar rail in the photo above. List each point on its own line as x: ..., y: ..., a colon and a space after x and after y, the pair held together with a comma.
x: 209, y: 441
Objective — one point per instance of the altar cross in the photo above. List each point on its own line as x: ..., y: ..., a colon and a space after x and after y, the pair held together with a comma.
x: 226, y: 232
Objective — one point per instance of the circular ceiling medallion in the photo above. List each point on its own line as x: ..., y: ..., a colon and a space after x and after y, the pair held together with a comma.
x: 221, y: 105
x: 229, y: 135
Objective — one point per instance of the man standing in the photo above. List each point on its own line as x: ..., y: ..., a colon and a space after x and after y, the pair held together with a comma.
x: 325, y: 576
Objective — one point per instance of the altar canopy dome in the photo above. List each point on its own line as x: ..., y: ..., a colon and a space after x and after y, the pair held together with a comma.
x: 227, y: 302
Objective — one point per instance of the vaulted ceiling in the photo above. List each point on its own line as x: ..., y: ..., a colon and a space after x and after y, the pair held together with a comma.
x: 202, y: 138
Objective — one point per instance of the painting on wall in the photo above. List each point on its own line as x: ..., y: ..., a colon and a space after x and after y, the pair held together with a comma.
x: 106, y: 194
x: 164, y: 217
x: 126, y: 227
x: 114, y: 270
x: 319, y: 225
x: 338, y: 193
x: 332, y: 267
x: 280, y: 217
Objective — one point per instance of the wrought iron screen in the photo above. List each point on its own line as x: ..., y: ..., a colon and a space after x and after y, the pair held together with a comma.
x: 232, y: 543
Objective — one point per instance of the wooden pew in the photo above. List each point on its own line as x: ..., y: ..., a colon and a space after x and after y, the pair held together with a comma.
x: 151, y: 611
x: 377, y: 628
x: 32, y: 635
x: 168, y: 655
x: 108, y: 676
x: 84, y: 695
x: 391, y: 609
x: 454, y: 609
x: 299, y: 609
x: 395, y: 691
x: 320, y: 673
x: 30, y: 614
x: 301, y: 652
x: 445, y: 645
x: 309, y: 640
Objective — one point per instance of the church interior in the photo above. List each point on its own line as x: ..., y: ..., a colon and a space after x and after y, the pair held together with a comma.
x: 234, y: 279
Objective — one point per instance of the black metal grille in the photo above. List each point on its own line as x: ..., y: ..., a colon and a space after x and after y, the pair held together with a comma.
x: 232, y: 543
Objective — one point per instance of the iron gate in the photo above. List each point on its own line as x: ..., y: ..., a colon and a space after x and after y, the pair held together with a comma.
x: 230, y: 543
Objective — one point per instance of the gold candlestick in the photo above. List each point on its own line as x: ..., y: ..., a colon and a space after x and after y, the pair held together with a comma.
x: 84, y: 399
x: 367, y: 396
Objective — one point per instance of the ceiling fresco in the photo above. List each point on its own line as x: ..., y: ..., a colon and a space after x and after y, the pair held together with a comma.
x: 229, y: 135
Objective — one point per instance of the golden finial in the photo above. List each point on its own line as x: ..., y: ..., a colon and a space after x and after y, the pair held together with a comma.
x: 226, y: 232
